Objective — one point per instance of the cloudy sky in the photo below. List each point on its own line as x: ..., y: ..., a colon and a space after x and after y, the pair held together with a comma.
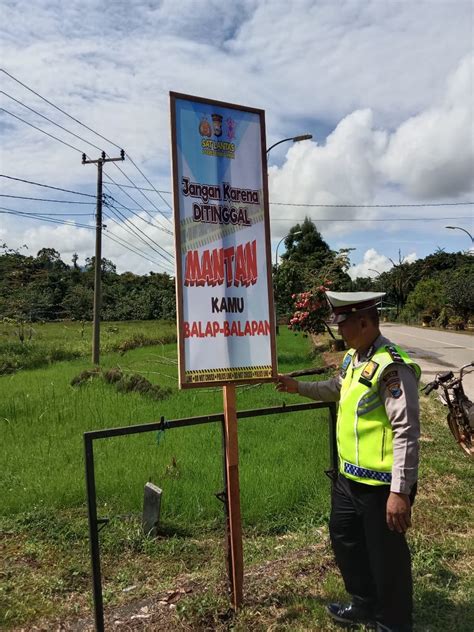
x: 384, y: 86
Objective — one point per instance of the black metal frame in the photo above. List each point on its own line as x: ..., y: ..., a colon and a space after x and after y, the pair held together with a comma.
x: 96, y: 523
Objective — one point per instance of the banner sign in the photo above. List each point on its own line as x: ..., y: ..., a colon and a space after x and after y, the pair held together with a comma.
x: 223, y: 259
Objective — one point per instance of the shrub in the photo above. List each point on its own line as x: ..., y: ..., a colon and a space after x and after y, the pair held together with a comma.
x: 140, y: 340
x: 312, y: 311
x: 113, y: 375
x: 138, y: 384
x: 85, y: 376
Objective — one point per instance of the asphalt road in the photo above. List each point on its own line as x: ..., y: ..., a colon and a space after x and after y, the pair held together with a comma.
x: 435, y: 351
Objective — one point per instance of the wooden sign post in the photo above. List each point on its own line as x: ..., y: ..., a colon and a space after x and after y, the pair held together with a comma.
x: 234, y: 535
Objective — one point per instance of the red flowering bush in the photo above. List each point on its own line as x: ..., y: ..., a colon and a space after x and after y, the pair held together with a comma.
x: 311, y: 311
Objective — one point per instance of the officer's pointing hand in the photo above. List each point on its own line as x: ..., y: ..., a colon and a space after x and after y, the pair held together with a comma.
x: 286, y: 384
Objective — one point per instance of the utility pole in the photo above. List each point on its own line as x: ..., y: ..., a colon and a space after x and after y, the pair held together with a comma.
x: 98, y: 251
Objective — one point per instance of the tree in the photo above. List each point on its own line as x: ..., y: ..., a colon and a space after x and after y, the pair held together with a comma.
x: 107, y: 266
x: 460, y: 291
x: 362, y: 284
x: 428, y: 298
x: 49, y: 259
x: 289, y: 278
x: 307, y: 263
x: 78, y: 301
x: 305, y: 245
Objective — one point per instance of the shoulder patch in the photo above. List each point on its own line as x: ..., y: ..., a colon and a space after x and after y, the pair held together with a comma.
x: 394, y: 389
x: 394, y: 354
x: 370, y: 369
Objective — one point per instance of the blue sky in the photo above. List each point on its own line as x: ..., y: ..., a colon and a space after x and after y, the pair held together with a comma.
x: 384, y: 86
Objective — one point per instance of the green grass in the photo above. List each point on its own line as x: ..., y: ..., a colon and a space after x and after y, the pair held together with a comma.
x: 47, y: 343
x: 43, y: 419
x: 289, y: 568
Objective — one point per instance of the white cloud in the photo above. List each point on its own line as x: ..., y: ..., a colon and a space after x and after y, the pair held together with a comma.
x: 373, y: 72
x: 372, y: 263
x: 428, y: 156
x: 411, y: 258
x: 431, y: 155
x: 340, y: 172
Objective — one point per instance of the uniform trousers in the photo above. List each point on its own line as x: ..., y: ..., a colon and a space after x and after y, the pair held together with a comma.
x: 375, y: 562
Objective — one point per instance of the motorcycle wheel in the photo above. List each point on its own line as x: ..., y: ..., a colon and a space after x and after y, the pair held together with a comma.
x: 462, y: 437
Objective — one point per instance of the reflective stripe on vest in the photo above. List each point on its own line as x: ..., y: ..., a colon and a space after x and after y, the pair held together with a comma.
x: 364, y: 433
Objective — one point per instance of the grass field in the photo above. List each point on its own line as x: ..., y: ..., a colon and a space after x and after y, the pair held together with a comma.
x: 35, y: 345
x: 285, y: 496
x: 44, y: 418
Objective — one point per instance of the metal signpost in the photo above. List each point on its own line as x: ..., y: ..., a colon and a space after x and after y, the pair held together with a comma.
x: 96, y: 523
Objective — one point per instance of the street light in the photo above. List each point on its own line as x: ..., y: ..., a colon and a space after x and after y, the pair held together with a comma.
x: 378, y: 275
x: 295, y: 139
x: 464, y: 231
x: 298, y: 232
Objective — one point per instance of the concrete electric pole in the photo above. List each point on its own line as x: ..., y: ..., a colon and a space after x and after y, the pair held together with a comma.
x: 98, y: 251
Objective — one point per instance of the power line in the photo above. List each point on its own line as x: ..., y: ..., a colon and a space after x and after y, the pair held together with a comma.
x: 58, y: 108
x: 385, y: 219
x: 41, y: 130
x: 145, y: 196
x: 60, y: 214
x: 47, y: 186
x: 154, y: 189
x: 42, y: 217
x: 114, y: 238
x: 135, y: 213
x: 121, y: 242
x: 135, y: 202
x: 24, y: 197
x: 49, y: 120
x: 418, y: 205
x: 79, y: 137
x: 133, y: 232
x: 372, y: 205
x: 138, y: 234
x: 129, y: 186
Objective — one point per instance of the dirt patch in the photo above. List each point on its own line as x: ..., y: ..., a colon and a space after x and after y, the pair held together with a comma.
x: 262, y: 584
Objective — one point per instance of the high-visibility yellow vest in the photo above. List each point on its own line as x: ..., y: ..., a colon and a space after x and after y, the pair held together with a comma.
x: 364, y: 433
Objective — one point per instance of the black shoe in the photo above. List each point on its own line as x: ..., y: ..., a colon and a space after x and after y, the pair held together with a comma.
x: 350, y: 614
x: 404, y: 627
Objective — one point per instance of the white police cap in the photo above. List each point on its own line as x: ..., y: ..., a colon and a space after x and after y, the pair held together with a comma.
x: 343, y: 304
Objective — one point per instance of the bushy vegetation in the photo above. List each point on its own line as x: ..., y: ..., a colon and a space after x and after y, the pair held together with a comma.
x: 438, y: 289
x: 45, y: 288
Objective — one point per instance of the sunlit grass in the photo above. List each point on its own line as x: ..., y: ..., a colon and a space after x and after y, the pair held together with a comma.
x: 282, y: 458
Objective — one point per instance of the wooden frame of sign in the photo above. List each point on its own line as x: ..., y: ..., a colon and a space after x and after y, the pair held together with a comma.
x: 241, y: 374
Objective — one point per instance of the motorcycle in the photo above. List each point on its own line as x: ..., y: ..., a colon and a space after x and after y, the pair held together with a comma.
x: 461, y: 409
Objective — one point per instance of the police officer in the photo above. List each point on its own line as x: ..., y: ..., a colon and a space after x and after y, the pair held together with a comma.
x: 377, y: 438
